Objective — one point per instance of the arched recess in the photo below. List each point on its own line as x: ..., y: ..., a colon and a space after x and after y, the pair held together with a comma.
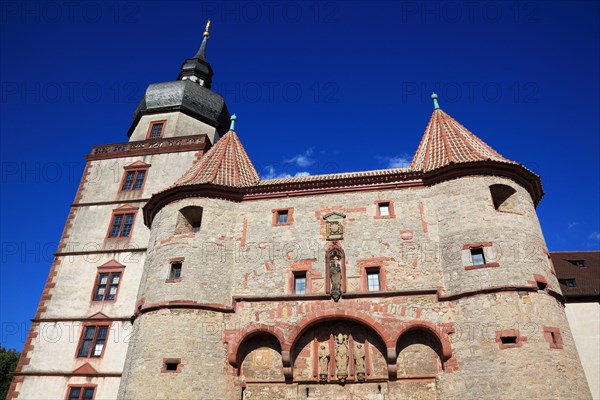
x: 301, y: 348
x: 422, y: 349
x: 335, y: 253
x: 261, y: 359
x: 236, y: 347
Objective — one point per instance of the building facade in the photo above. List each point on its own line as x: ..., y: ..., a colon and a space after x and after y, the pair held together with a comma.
x: 208, y: 282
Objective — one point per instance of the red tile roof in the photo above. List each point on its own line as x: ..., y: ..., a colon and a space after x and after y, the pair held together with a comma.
x: 446, y: 141
x: 225, y: 164
x: 587, y: 278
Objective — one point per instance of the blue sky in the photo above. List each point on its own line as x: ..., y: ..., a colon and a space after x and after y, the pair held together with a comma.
x: 318, y: 87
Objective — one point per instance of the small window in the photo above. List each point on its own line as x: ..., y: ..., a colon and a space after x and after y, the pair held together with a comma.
x: 541, y: 286
x: 373, y: 281
x: 81, y: 393
x: 580, y: 263
x: 300, y: 283
x: 92, y: 341
x: 175, y: 272
x: 156, y: 129
x: 282, y: 217
x: 171, y: 365
x: 189, y: 220
x: 107, y: 285
x: 477, y: 256
x: 384, y: 209
x: 508, y: 340
x: 133, y: 180
x: 121, y: 225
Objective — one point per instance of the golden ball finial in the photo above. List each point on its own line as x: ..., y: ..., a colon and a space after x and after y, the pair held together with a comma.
x: 207, y: 28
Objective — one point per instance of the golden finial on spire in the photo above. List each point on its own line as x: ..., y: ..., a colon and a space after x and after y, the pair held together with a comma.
x: 207, y: 28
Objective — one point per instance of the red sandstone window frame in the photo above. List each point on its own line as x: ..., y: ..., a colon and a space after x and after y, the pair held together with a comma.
x: 479, y: 246
x: 166, y: 361
x: 553, y: 337
x: 135, y: 170
x: 162, y: 132
x: 96, y: 325
x: 124, y: 211
x: 505, y: 333
x: 110, y: 271
x: 379, y: 204
x: 172, y: 262
x: 82, y: 387
x: 277, y: 211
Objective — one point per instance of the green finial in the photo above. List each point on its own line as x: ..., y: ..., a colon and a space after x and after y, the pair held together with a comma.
x: 232, y: 126
x: 434, y: 97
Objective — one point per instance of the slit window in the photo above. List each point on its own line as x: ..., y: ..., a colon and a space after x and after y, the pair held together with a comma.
x: 477, y: 256
x: 92, y: 342
x: 508, y: 340
x: 175, y: 272
x: 300, y: 283
x: 384, y: 209
x: 373, y: 283
x: 282, y: 217
x: 81, y: 393
x: 172, y: 365
x: 107, y: 285
x: 121, y: 225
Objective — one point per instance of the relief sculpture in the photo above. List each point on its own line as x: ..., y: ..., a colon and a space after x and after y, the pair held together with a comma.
x: 323, y: 362
x: 341, y: 356
x: 359, y: 362
x: 335, y: 276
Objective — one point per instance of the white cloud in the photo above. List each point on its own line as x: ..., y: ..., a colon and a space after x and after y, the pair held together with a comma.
x: 272, y: 174
x: 572, y: 224
x: 302, y: 160
x: 402, y: 161
x: 595, y: 236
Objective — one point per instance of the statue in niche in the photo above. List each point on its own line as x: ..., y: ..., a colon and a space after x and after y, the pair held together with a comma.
x: 323, y: 362
x: 341, y: 356
x: 335, y: 277
x: 359, y: 362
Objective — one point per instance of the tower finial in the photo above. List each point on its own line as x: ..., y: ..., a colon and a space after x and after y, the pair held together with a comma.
x: 232, y: 126
x: 201, y: 54
x: 434, y: 97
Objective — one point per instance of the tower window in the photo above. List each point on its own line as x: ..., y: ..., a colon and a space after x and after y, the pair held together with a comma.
x: 107, y: 285
x: 384, y: 209
x: 373, y: 282
x: 283, y: 216
x: 190, y: 219
x: 553, y: 337
x: 300, y: 283
x: 171, y: 365
x: 503, y: 198
x: 175, y: 272
x: 156, y: 129
x: 133, y: 180
x: 81, y: 393
x: 121, y: 225
x: 509, y: 340
x: 92, y: 341
x: 477, y: 256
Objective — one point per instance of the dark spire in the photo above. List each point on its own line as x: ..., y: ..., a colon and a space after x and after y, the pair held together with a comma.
x: 197, y: 69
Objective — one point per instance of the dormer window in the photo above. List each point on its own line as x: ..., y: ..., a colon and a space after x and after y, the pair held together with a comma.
x: 580, y: 263
x: 156, y: 129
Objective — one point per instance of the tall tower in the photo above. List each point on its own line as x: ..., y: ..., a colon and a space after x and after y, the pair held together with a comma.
x: 78, y: 340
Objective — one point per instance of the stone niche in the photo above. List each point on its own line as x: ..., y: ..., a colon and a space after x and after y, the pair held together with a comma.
x: 262, y: 360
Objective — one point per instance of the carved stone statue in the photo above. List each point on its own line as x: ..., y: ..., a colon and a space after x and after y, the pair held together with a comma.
x: 335, y: 278
x: 341, y: 356
x: 323, y: 362
x: 359, y: 362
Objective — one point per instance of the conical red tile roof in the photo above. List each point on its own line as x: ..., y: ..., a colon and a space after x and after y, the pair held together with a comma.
x: 446, y: 141
x: 225, y: 164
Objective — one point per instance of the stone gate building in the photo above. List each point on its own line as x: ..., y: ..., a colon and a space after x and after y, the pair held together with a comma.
x: 205, y: 281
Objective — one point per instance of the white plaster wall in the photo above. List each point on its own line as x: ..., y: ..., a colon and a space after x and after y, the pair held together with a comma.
x: 178, y: 124
x: 584, y: 319
x: 55, y: 387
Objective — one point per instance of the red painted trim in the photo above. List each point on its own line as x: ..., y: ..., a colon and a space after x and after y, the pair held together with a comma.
x: 97, y: 324
x: 106, y: 269
x: 391, y: 209
x: 486, y: 265
x: 477, y: 245
x: 162, y: 132
x: 82, y: 386
x: 553, y: 337
x: 275, y: 213
x: 171, y: 360
x: 136, y: 171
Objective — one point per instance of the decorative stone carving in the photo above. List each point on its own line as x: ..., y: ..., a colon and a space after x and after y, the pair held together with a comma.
x: 359, y: 362
x: 335, y: 278
x: 341, y: 356
x: 334, y: 225
x: 323, y: 362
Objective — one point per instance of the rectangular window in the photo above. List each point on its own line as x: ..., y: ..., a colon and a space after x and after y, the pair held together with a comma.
x: 373, y: 281
x: 300, y: 283
x: 121, y: 225
x: 92, y: 342
x: 477, y: 256
x: 134, y: 180
x: 384, y: 209
x: 81, y: 393
x: 107, y: 285
x: 175, y: 272
x: 508, y: 340
x: 282, y: 217
x: 156, y: 129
